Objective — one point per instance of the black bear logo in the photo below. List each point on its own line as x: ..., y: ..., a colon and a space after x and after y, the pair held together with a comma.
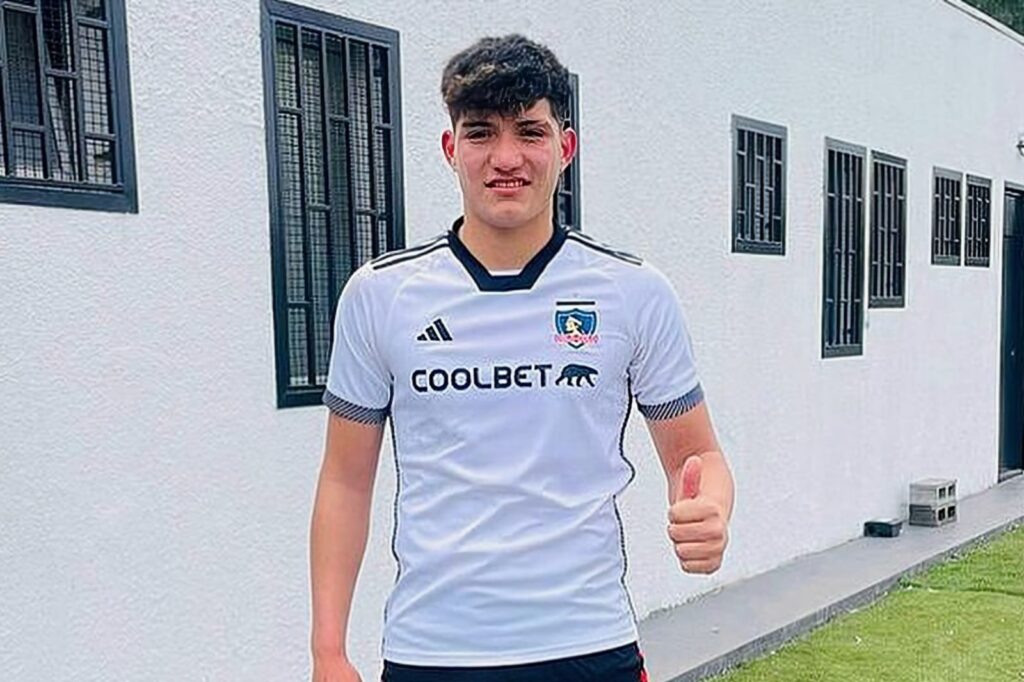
x: 575, y: 375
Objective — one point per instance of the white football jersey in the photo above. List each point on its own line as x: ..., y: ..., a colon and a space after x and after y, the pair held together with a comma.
x: 508, y: 397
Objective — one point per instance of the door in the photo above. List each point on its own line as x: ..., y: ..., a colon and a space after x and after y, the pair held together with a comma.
x: 1011, y: 408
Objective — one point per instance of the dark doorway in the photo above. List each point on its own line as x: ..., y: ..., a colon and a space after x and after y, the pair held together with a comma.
x: 1011, y: 407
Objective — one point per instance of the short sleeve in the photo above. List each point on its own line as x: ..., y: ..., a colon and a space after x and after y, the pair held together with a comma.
x: 663, y: 373
x: 358, y: 381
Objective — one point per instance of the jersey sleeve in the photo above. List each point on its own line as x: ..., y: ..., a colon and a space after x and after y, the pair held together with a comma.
x: 663, y: 372
x: 358, y: 381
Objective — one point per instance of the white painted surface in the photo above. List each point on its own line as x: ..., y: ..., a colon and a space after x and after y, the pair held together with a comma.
x: 154, y: 503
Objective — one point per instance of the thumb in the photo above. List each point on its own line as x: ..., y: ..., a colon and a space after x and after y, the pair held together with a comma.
x: 689, y: 479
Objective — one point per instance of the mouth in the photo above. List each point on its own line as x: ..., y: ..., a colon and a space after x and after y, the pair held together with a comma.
x: 507, y: 183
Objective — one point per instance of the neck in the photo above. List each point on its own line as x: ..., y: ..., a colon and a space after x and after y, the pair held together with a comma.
x: 509, y: 248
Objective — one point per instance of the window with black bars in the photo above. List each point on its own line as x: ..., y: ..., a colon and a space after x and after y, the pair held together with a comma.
x: 65, y: 121
x: 759, y: 187
x: 567, y: 197
x: 887, y: 275
x: 332, y: 99
x: 978, y: 221
x: 946, y: 217
x: 842, y: 313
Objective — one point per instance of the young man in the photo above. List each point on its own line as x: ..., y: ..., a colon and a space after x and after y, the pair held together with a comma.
x: 506, y: 353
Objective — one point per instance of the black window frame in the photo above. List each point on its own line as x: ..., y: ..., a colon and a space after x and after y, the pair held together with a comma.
x: 940, y: 234
x: 346, y: 28
x: 887, y: 273
x: 854, y: 281
x: 569, y: 181
x: 742, y: 228
x: 977, y: 221
x: 121, y: 197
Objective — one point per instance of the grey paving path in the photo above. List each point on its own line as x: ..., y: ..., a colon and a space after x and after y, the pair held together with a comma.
x: 748, y: 618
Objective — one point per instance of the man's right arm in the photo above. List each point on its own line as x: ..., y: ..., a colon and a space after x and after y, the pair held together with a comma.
x: 339, y: 527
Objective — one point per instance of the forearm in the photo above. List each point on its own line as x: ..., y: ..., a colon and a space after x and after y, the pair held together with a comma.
x: 339, y: 528
x: 716, y: 479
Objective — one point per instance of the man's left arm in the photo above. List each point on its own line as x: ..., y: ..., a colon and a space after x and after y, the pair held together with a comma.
x: 700, y: 488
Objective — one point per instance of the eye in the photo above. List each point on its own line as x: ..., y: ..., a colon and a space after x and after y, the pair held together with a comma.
x: 477, y: 134
x: 533, y: 133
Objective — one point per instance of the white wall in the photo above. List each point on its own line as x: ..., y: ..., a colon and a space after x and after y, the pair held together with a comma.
x: 154, y: 503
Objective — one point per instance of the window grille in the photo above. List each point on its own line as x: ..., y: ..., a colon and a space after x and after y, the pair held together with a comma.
x: 888, y: 231
x: 946, y: 217
x: 334, y: 141
x: 978, y: 222
x: 65, y: 105
x: 842, y: 318
x: 759, y: 187
x: 568, y: 195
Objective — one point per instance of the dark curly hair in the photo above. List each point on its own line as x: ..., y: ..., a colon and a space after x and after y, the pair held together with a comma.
x: 505, y: 76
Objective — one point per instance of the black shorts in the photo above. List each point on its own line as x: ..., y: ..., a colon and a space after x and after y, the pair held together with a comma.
x: 621, y: 664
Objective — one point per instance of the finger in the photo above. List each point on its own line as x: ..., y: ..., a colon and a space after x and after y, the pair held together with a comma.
x: 693, y: 511
x: 703, y: 531
x: 690, y: 478
x: 702, y: 567
x: 698, y: 551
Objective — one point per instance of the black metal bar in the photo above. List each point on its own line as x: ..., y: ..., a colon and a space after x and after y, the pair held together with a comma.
x: 95, y: 23
x: 353, y: 229
x: 754, y: 230
x: 27, y: 127
x: 371, y: 157
x: 844, y: 211
x: 101, y: 136
x: 889, y: 232
x: 957, y: 208
x: 277, y: 249
x: 875, y: 274
x: 353, y: 247
x: 902, y: 233
x: 59, y: 184
x: 112, y: 94
x: 326, y: 178
x: 5, y: 105
x: 307, y: 265
x: 42, y: 58
x: 884, y: 175
x: 397, y: 208
x: 118, y: 73
x: 326, y: 85
x: 26, y: 9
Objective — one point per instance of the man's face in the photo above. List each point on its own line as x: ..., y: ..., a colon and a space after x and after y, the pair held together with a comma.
x: 508, y: 167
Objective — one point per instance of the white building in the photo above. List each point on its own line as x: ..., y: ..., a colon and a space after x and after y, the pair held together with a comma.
x: 157, y: 460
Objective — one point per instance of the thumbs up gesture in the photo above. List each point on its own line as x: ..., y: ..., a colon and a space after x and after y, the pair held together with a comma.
x: 697, y: 525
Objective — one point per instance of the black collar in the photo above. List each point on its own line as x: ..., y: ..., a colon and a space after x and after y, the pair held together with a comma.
x: 525, y: 279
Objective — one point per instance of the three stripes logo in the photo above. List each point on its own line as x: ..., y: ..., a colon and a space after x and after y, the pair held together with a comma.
x: 435, y: 331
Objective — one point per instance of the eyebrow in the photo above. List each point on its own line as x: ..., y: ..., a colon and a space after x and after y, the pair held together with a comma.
x: 523, y: 123
x: 531, y: 122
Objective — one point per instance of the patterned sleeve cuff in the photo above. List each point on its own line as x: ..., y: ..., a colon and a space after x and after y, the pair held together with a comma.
x: 673, y: 408
x: 353, y: 412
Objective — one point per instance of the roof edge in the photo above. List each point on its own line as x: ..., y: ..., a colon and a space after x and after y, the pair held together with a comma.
x: 986, y: 19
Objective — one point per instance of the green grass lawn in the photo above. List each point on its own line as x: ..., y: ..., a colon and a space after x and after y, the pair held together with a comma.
x: 962, y: 621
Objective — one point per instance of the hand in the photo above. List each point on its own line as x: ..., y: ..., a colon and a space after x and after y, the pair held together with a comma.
x: 333, y: 668
x: 697, y: 525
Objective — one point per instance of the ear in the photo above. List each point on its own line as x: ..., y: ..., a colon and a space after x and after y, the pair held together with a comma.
x: 569, y: 142
x: 448, y: 147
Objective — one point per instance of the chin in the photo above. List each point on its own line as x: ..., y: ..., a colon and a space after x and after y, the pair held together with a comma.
x: 507, y: 220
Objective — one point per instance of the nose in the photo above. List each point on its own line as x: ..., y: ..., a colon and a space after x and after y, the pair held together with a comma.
x: 506, y: 154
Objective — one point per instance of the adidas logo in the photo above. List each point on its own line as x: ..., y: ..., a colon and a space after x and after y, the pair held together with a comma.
x: 435, y: 332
